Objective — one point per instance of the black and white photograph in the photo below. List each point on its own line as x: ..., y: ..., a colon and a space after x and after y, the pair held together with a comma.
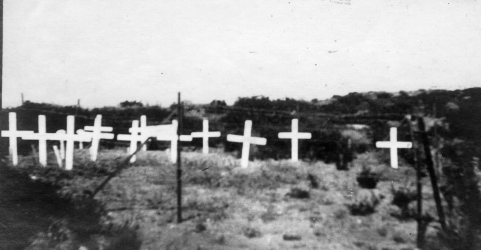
x: 240, y: 125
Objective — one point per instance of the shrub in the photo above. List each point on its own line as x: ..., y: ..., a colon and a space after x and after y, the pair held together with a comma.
x: 365, y: 202
x: 298, y: 193
x: 402, y: 197
x: 368, y: 178
x: 250, y: 232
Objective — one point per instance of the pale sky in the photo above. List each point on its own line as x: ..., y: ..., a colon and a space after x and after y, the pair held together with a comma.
x: 105, y: 52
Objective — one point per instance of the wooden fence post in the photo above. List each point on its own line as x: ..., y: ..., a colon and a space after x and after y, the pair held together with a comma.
x: 419, y: 188
x: 179, y: 162
x: 431, y: 171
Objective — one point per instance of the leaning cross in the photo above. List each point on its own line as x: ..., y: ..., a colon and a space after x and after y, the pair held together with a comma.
x: 205, y: 134
x: 134, y: 138
x: 13, y: 134
x: 96, y: 135
x: 42, y: 136
x: 62, y: 142
x: 70, y: 137
x: 246, y: 141
x: 294, y: 136
x: 393, y: 144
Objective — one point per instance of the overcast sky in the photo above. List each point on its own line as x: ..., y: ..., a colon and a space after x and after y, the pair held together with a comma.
x: 107, y: 51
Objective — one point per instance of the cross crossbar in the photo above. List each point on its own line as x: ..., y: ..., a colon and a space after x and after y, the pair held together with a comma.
x: 246, y: 140
x: 205, y: 134
x: 13, y: 134
x: 393, y: 145
x: 294, y: 136
x: 134, y: 138
x: 97, y: 135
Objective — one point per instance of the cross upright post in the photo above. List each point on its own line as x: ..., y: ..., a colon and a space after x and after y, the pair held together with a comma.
x: 62, y: 143
x: 246, y: 141
x: 205, y: 134
x: 172, y: 136
x: 97, y: 134
x: 393, y: 145
x: 70, y: 137
x: 42, y: 136
x: 134, y: 138
x: 143, y: 127
x: 294, y: 136
x: 13, y: 134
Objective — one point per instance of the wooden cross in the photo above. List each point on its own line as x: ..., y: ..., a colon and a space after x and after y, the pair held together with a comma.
x: 134, y: 138
x: 70, y: 137
x: 143, y: 126
x: 13, y: 134
x: 57, y: 156
x: 294, y: 136
x: 80, y: 144
x: 205, y: 134
x: 42, y: 136
x: 62, y: 143
x: 393, y: 144
x: 96, y: 135
x: 246, y: 141
x: 171, y: 135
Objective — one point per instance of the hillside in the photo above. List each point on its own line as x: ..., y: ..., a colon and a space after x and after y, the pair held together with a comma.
x: 326, y: 201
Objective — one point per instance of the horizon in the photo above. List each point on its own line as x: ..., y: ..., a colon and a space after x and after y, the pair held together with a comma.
x: 104, y: 52
x: 411, y: 93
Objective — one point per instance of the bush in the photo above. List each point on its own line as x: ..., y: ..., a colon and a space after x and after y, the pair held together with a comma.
x: 365, y: 202
x: 367, y: 178
x: 402, y: 197
x: 250, y: 232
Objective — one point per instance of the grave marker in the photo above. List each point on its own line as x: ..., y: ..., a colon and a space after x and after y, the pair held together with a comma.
x: 294, y: 136
x: 70, y: 137
x: 205, y: 134
x: 13, y: 134
x: 62, y: 143
x: 246, y: 140
x: 57, y: 156
x: 96, y: 135
x: 80, y: 144
x: 393, y: 144
x: 134, y: 138
x: 143, y: 126
x: 42, y: 136
x: 171, y: 135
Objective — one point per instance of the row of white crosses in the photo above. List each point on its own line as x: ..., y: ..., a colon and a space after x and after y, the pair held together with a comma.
x: 160, y: 132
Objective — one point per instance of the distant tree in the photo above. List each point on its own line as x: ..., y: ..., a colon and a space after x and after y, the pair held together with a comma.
x: 131, y: 104
x: 218, y: 103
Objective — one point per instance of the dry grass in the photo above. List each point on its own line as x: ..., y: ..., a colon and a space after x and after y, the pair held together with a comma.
x: 228, y: 207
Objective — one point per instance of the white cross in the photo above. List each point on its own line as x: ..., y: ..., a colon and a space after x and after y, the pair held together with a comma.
x: 57, y: 156
x: 62, y: 143
x: 205, y: 134
x: 97, y: 134
x: 172, y: 136
x: 143, y: 125
x: 70, y: 137
x: 134, y: 138
x: 150, y: 131
x: 246, y: 141
x: 13, y: 134
x: 80, y: 144
x: 393, y: 144
x: 295, y: 136
x: 42, y: 136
